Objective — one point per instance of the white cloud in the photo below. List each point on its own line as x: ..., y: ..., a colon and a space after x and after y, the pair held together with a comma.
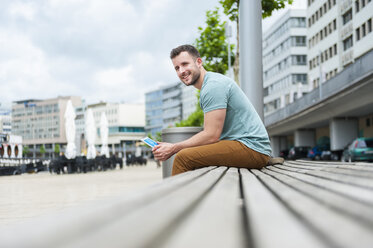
x: 101, y: 50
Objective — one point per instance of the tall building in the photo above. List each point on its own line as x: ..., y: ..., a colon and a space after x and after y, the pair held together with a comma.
x: 126, y: 124
x: 338, y: 33
x: 42, y: 123
x: 5, y: 121
x: 285, y: 61
x: 169, y: 105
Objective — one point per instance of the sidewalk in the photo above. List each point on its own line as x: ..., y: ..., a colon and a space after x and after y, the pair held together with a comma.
x: 30, y: 195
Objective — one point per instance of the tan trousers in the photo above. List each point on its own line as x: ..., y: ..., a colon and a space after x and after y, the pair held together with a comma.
x: 228, y: 153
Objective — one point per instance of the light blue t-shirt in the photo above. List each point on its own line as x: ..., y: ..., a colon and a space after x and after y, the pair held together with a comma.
x: 242, y: 122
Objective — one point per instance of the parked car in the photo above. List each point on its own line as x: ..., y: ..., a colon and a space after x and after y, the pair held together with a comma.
x: 360, y: 149
x: 298, y: 152
x: 284, y: 153
x: 316, y: 152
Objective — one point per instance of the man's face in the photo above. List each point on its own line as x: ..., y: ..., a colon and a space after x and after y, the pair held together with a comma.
x: 187, y: 68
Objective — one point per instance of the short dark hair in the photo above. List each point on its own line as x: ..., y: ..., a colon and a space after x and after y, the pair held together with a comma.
x: 185, y: 48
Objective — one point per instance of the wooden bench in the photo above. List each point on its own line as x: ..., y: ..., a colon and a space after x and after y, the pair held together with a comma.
x: 298, y: 204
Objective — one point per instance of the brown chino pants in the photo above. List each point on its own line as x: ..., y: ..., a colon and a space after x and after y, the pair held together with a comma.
x: 228, y: 153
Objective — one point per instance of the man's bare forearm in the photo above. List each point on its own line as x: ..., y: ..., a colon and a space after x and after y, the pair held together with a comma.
x: 201, y: 138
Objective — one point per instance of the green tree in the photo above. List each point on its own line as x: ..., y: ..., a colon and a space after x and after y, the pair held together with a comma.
x: 230, y: 8
x: 57, y: 148
x: 25, y: 151
x: 42, y: 150
x: 212, y: 44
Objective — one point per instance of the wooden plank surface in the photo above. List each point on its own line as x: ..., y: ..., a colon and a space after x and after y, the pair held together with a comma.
x: 149, y: 225
x: 332, y: 174
x: 354, y: 192
x: 355, y: 209
x: 271, y: 223
x: 59, y: 229
x: 334, y: 228
x: 217, y: 221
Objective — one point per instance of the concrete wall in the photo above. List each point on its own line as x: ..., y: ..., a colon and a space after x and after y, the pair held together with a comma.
x: 342, y: 132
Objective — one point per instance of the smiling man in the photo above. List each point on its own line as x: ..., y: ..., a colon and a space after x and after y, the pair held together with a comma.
x: 233, y: 134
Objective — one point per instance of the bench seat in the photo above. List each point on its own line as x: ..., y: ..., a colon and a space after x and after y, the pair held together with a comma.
x: 298, y: 204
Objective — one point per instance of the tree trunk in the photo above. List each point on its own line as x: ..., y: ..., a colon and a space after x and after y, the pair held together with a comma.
x: 236, y: 64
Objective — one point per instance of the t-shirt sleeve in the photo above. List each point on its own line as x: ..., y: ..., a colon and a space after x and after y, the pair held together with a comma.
x: 215, y: 97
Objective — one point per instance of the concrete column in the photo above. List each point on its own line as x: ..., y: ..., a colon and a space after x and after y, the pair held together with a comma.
x: 250, y: 25
x: 304, y: 137
x: 278, y: 144
x: 342, y: 132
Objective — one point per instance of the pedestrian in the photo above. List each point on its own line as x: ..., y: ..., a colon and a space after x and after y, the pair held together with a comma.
x: 233, y: 134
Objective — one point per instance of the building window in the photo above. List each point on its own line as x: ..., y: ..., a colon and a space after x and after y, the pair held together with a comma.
x: 347, y: 43
x: 331, y: 51
x: 363, y: 30
x: 347, y: 17
x: 357, y: 6
x: 335, y: 24
x: 357, y: 34
x: 369, y: 25
x: 362, y: 3
x: 335, y: 49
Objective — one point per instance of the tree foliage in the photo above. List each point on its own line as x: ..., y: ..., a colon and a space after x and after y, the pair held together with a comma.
x: 212, y: 44
x: 57, y: 148
x: 42, y: 150
x: 25, y: 150
x: 230, y: 8
x: 213, y: 47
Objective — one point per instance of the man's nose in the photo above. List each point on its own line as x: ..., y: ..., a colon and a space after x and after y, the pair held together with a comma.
x: 182, y: 70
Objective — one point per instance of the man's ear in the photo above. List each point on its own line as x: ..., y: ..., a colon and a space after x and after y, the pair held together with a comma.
x: 199, y: 61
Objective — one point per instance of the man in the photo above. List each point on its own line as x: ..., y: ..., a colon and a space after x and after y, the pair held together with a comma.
x: 233, y: 133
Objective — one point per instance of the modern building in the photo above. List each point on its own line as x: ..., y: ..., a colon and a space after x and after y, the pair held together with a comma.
x: 339, y: 32
x: 285, y: 61
x: 41, y: 123
x: 5, y: 121
x: 168, y: 105
x: 126, y: 125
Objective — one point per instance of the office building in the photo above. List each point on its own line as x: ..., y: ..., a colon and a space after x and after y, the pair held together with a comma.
x: 168, y: 105
x: 42, y: 123
x: 285, y: 61
x: 126, y: 124
x: 338, y: 33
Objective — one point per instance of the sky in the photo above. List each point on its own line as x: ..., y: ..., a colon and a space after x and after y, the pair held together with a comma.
x: 112, y: 51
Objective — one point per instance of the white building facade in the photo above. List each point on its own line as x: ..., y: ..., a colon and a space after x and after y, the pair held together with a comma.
x: 285, y: 61
x: 338, y: 33
x: 126, y: 124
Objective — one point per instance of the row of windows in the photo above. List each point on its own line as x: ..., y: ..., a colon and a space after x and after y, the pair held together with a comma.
x: 321, y: 11
x: 293, y: 41
x: 125, y: 130
x: 324, y: 56
x: 285, y: 63
x: 359, y: 4
x: 35, y: 110
x: 328, y: 76
x: 328, y: 29
x: 364, y: 29
x: 286, y: 82
x: 293, y: 22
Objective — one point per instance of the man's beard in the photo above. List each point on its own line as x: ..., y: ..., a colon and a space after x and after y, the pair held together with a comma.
x: 195, y: 78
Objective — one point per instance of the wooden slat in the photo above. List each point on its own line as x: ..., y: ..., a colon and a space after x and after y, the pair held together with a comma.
x: 217, y: 221
x: 354, y: 192
x: 58, y: 229
x: 334, y: 227
x: 339, y: 177
x: 333, y: 169
x: 353, y: 166
x: 271, y: 223
x: 152, y: 223
x: 355, y: 209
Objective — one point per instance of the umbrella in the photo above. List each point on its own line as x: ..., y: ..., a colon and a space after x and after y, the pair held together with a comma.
x: 70, y: 130
x: 104, y: 133
x: 90, y: 130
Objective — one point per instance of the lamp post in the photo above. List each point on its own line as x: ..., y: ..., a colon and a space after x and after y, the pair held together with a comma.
x: 228, y: 34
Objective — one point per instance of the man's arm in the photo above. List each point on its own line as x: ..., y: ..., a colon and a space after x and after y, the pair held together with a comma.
x: 213, y: 126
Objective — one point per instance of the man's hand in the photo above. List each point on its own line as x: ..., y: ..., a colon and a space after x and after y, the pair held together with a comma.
x: 163, y: 151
